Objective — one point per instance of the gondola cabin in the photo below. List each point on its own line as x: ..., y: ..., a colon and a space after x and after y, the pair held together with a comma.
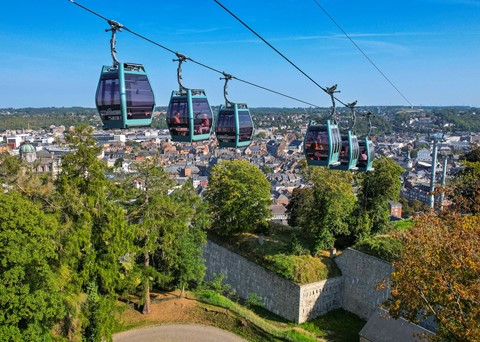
x: 189, y: 116
x: 322, y: 144
x: 124, y: 96
x: 366, y: 156
x: 349, y: 153
x: 234, y: 126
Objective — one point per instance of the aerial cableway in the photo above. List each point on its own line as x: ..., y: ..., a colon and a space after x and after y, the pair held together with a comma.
x: 124, y: 97
x: 189, y: 115
x: 234, y: 126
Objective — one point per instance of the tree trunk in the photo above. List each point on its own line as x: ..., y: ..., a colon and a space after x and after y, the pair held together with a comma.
x: 146, y: 306
x: 182, y: 292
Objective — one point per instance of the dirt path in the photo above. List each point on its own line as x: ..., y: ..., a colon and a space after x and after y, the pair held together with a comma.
x: 177, y: 333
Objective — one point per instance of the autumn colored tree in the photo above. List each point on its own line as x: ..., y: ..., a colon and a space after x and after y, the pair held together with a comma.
x: 439, y: 275
x: 238, y: 195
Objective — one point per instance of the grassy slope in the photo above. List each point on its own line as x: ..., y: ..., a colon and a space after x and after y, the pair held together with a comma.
x: 258, y: 325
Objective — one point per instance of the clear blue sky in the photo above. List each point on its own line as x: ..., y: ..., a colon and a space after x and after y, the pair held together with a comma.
x: 51, y: 51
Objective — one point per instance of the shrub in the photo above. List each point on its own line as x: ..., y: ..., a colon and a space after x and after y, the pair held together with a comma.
x: 381, y: 246
x: 302, y: 269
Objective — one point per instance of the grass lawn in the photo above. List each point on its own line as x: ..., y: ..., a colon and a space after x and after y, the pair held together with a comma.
x: 337, y: 325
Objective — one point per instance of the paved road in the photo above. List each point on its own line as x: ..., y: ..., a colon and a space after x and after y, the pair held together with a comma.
x: 177, y: 333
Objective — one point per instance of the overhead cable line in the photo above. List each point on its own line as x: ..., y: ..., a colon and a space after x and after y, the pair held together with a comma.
x: 276, y: 50
x: 121, y: 27
x: 363, y: 53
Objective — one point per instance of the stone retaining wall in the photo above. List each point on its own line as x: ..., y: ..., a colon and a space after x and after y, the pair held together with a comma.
x: 282, y: 297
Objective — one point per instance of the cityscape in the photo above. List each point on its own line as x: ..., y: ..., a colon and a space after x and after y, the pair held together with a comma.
x: 225, y: 171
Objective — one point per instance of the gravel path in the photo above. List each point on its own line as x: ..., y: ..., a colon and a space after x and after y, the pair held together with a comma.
x: 177, y: 333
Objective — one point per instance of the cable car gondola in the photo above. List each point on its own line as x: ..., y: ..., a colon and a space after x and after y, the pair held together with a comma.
x: 189, y: 115
x: 323, y: 142
x: 367, y: 150
x: 349, y: 151
x: 124, y: 96
x: 234, y: 125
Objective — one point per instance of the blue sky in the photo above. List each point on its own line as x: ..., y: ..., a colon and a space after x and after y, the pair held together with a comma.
x: 52, y: 51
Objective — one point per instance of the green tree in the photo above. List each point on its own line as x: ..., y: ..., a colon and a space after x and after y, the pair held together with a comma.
x: 438, y: 275
x: 190, y: 265
x: 30, y: 298
x: 94, y: 239
x: 170, y: 224
x: 329, y: 211
x: 238, y: 195
x: 464, y: 189
x: 147, y: 202
x: 474, y: 155
x: 376, y: 189
x: 299, y: 206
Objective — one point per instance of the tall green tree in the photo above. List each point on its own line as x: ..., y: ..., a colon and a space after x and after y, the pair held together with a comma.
x: 169, y: 229
x: 30, y: 298
x: 376, y: 189
x: 146, y: 205
x: 94, y: 239
x: 238, y: 195
x: 299, y: 206
x: 330, y: 206
x: 186, y: 261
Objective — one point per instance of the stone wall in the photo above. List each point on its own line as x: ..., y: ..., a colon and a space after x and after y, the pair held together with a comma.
x: 282, y: 297
x: 317, y: 299
x: 279, y: 295
x: 363, y: 274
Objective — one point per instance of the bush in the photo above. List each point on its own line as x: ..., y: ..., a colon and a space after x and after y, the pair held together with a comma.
x: 381, y: 246
x: 302, y: 269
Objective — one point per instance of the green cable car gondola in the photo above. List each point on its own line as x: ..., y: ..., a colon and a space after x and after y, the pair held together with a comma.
x: 349, y: 152
x: 234, y: 125
x: 124, y: 96
x: 189, y: 115
x: 323, y: 142
x: 367, y: 150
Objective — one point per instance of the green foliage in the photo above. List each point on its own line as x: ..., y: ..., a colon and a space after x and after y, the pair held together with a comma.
x: 385, y: 247
x: 337, y: 325
x: 238, y: 195
x: 474, y: 155
x: 296, y: 248
x: 93, y: 235
x: 254, y: 300
x: 464, y: 189
x: 217, y: 285
x: 376, y: 189
x: 30, y: 298
x: 399, y: 226
x: 299, y: 205
x: 302, y: 269
x: 285, y: 334
x: 170, y: 224
x: 325, y: 211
